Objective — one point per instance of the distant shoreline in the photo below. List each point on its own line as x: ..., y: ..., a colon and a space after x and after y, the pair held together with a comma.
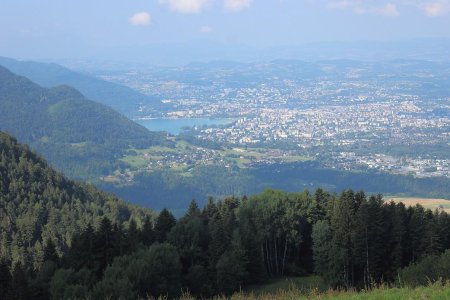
x: 175, y: 125
x: 178, y: 118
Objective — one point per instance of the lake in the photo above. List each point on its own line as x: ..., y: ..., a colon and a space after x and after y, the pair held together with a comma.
x: 174, y: 126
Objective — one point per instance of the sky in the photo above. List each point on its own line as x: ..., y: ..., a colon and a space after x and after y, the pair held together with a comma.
x: 68, y: 28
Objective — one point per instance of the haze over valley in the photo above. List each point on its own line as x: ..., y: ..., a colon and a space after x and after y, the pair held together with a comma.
x: 224, y: 148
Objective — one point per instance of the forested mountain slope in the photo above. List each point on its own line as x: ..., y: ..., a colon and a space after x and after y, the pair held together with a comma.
x: 39, y: 204
x: 79, y: 136
x: 120, y: 98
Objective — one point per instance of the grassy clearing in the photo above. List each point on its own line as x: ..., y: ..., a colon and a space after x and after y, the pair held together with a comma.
x: 135, y: 161
x: 303, y: 284
x: 290, y: 291
x: 433, y: 291
x: 296, y: 158
x: 432, y: 204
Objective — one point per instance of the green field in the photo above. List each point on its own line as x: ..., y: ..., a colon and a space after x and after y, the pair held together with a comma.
x: 297, y: 288
x: 240, y: 157
x: 303, y: 284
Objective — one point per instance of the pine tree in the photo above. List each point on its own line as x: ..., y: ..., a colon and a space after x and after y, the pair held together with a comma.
x: 210, y: 210
x: 5, y: 279
x: 231, y: 271
x: 321, y: 236
x: 50, y: 253
x: 121, y: 241
x: 164, y: 223
x: 398, y: 233
x: 147, y: 236
x: 193, y: 210
x: 103, y: 246
x: 417, y: 227
x: 218, y: 243
x: 342, y: 220
x: 132, y: 235
x: 81, y: 254
x: 18, y: 289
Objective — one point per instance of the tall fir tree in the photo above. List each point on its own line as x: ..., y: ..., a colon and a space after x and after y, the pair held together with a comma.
x: 164, y: 223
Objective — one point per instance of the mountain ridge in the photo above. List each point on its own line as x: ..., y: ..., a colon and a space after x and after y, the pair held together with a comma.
x: 119, y: 97
x: 50, y: 121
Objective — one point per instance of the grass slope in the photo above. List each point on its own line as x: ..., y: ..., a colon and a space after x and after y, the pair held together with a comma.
x: 297, y: 291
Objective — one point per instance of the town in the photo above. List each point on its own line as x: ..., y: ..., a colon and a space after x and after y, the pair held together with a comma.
x: 346, y: 117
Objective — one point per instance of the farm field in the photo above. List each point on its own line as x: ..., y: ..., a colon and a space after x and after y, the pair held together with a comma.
x: 183, y: 156
x: 433, y: 204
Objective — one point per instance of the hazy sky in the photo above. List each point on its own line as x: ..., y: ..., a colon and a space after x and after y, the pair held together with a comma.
x: 68, y: 27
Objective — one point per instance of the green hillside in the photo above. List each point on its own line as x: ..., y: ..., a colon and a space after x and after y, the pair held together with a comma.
x: 39, y: 204
x: 120, y: 98
x: 79, y: 136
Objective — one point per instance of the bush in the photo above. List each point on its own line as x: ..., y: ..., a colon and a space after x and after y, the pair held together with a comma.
x: 155, y: 272
x: 431, y: 269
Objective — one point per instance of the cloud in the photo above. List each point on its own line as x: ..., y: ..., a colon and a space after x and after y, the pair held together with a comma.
x: 140, y: 19
x: 436, y: 8
x: 343, y: 4
x: 186, y: 6
x: 366, y: 7
x: 385, y: 8
x: 236, y: 5
x: 206, y: 29
x: 389, y: 10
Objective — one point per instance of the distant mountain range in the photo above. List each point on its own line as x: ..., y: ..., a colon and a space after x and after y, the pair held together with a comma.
x: 121, y: 98
x: 77, y: 135
x: 432, y: 49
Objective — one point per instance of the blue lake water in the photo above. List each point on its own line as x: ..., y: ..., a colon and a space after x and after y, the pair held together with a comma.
x: 174, y: 126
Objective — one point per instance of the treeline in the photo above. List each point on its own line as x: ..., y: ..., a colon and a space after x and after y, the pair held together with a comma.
x: 360, y: 241
x: 215, y: 250
x: 351, y: 240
